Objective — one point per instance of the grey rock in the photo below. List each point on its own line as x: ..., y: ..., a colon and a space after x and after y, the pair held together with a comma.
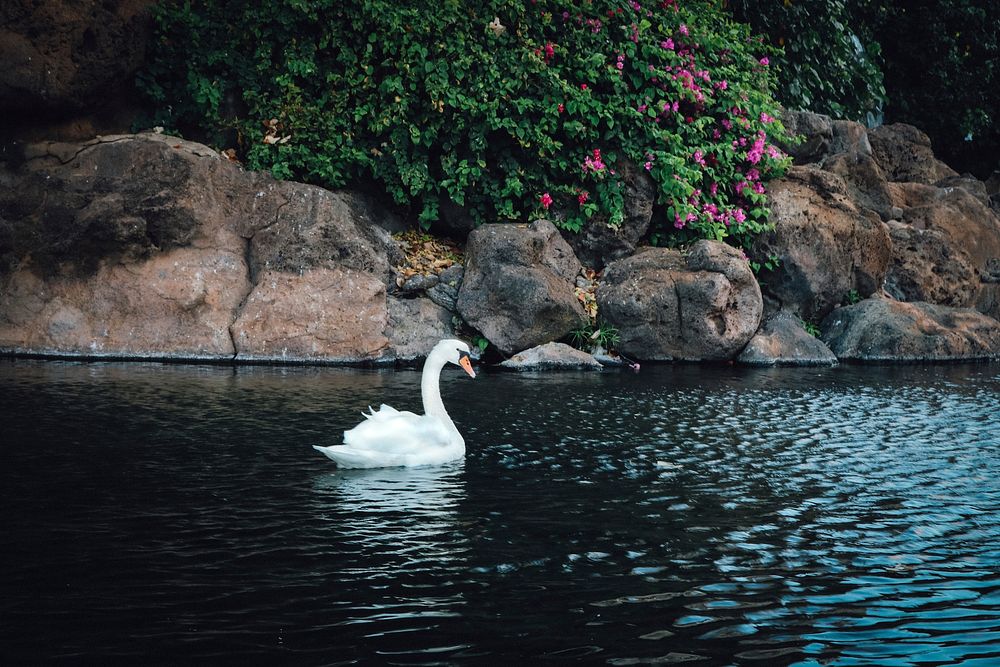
x: 815, y: 131
x: 416, y: 326
x: 904, y: 154
x: 551, y: 356
x: 702, y: 306
x: 883, y: 330
x: 782, y: 341
x: 518, y: 285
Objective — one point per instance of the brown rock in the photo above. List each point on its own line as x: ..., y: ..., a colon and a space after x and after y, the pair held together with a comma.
x: 177, y: 304
x: 137, y: 245
x: 331, y: 315
x: 926, y: 266
x: 865, y: 183
x: 826, y: 245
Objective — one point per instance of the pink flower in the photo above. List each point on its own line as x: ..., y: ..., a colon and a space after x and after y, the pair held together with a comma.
x: 739, y: 215
x: 583, y: 86
x: 648, y: 166
x: 583, y: 197
x: 683, y: 29
x: 667, y: 44
x: 594, y: 164
x: 561, y: 107
x: 764, y: 61
x: 764, y: 118
x: 546, y: 200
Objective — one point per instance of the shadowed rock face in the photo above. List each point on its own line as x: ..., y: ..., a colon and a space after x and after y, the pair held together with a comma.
x: 518, y: 285
x: 597, y: 243
x: 69, y: 65
x: 904, y: 154
x: 702, y: 306
x: 886, y: 330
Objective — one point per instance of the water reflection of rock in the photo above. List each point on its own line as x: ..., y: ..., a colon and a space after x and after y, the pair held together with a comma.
x: 396, y: 517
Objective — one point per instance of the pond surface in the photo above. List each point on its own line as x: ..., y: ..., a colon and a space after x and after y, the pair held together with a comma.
x: 176, y: 514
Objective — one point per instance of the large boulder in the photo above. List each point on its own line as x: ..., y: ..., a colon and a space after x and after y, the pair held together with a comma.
x: 151, y: 246
x: 518, y: 285
x: 175, y: 304
x: 826, y: 246
x: 886, y: 330
x: 783, y: 341
x: 904, y: 153
x: 120, y: 248
x: 704, y: 305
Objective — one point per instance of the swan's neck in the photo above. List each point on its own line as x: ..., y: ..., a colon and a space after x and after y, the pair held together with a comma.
x: 430, y: 390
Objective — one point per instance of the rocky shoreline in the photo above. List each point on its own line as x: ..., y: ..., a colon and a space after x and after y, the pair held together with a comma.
x: 150, y: 247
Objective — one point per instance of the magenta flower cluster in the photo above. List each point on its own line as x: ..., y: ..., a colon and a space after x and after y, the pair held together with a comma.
x: 671, y: 88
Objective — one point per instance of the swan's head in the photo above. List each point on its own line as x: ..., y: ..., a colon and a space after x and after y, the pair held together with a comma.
x: 455, y: 352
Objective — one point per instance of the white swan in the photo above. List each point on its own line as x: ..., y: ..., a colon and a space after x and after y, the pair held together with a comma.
x: 390, y: 438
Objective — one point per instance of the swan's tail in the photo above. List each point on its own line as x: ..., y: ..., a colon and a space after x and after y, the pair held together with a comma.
x: 348, y: 457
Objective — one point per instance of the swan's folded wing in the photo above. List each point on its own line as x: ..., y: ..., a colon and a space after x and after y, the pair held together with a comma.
x: 403, y: 433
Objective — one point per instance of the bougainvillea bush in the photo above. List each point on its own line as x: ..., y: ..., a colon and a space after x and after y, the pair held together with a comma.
x: 510, y: 110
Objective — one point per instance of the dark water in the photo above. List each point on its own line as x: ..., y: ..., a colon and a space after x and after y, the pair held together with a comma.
x: 170, y: 514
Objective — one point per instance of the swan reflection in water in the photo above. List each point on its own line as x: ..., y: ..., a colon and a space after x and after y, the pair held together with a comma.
x: 397, y: 516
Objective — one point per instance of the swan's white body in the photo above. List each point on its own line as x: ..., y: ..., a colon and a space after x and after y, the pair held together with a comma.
x: 389, y: 438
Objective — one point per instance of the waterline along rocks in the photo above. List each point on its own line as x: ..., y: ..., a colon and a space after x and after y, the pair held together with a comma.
x: 149, y: 246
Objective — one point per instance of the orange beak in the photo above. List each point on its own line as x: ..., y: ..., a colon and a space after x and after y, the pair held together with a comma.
x: 466, y: 364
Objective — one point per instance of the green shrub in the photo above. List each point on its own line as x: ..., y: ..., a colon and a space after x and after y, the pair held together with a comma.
x: 505, y: 108
x: 830, y: 61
